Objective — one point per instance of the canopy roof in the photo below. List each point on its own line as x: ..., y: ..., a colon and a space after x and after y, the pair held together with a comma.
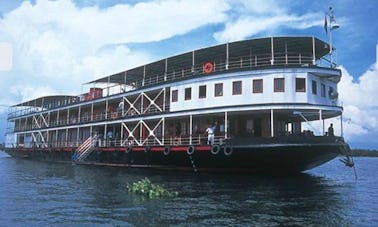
x: 262, y: 46
x: 42, y: 101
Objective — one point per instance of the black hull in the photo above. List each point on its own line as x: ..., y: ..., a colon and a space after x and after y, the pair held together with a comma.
x: 279, y: 155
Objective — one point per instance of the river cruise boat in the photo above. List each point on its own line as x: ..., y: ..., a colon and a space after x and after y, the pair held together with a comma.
x: 235, y: 107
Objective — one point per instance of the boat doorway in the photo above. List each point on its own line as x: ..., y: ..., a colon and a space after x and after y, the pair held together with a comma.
x: 257, y: 129
x: 246, y: 126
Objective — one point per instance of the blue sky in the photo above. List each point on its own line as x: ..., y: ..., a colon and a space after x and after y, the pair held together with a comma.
x: 58, y: 45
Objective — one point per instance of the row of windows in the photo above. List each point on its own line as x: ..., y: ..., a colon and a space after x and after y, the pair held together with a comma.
x: 257, y: 87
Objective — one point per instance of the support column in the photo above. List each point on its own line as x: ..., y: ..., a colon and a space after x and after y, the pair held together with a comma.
x: 341, y: 125
x: 92, y: 111
x: 144, y: 75
x: 57, y: 118
x: 141, y: 132
x: 271, y: 123
x: 163, y: 131
x: 79, y: 114
x: 68, y: 116
x: 322, y: 120
x: 105, y: 134
x: 286, y: 57
x: 77, y: 137
x: 190, y: 128
x: 108, y: 87
x: 313, y: 51
x: 225, y: 124
x: 193, y: 61
x: 66, y: 139
x: 47, y: 138
x: 272, y: 48
x: 125, y: 79
x: 106, y: 109
x: 227, y: 56
x: 164, y: 98
x: 141, y: 103
x: 56, y: 137
x: 121, y: 143
x: 165, y: 69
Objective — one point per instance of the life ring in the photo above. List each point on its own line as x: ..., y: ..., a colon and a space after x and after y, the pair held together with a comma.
x: 228, y: 150
x: 190, y: 150
x: 167, y: 150
x: 215, y: 149
x: 129, y: 149
x: 208, y: 67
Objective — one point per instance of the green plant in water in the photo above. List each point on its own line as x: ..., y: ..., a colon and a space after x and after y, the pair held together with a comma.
x: 147, y: 188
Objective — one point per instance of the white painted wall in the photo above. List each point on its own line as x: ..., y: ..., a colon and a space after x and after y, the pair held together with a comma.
x: 247, y: 97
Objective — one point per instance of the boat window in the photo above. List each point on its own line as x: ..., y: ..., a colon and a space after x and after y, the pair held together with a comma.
x: 323, y: 87
x: 300, y: 84
x: 174, y: 95
x: 218, y: 90
x: 188, y: 93
x: 279, y: 84
x: 332, y: 94
x: 314, y: 87
x: 257, y: 86
x: 236, y: 88
x: 202, y: 92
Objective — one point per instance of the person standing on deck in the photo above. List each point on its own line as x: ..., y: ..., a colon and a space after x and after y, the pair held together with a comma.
x: 330, y: 130
x: 210, y: 134
x: 121, y: 107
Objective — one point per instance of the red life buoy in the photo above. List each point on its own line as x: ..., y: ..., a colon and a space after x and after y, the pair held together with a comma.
x: 208, y: 67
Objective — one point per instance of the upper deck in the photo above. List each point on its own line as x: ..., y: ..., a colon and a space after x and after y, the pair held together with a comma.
x: 263, y: 53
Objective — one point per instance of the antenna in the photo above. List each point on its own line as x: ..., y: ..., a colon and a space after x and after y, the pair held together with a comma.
x: 332, y: 26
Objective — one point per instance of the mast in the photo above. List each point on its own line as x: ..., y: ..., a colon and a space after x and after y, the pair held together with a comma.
x: 332, y: 26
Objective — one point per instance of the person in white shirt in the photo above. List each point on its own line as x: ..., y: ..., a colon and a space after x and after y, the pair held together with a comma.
x: 120, y: 107
x: 210, y: 134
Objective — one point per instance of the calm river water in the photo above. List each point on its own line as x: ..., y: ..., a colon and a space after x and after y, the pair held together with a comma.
x: 44, y: 194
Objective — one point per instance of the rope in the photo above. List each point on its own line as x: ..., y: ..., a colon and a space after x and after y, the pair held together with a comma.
x: 192, y: 161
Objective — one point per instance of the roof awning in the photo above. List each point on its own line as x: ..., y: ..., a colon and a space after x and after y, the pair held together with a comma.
x: 308, y: 46
x: 42, y: 101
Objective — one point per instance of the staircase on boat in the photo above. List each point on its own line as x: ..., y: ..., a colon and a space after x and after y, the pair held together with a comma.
x: 85, y: 149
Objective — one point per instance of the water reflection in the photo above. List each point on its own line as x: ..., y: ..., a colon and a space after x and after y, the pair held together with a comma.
x: 48, y: 194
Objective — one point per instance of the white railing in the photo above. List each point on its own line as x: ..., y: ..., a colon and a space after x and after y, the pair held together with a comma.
x: 85, y: 149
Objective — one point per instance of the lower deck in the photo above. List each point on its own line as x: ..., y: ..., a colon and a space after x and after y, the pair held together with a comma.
x: 185, y: 129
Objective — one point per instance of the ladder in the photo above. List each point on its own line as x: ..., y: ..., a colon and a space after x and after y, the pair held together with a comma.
x: 348, y: 160
x: 85, y: 149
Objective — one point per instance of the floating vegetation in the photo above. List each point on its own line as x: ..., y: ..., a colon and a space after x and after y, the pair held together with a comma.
x: 147, y: 188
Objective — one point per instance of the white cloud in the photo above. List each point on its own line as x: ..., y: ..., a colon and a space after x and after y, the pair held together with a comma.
x: 57, y: 40
x: 143, y: 22
x: 264, y: 16
x: 6, y: 56
x: 360, y: 105
x: 27, y: 91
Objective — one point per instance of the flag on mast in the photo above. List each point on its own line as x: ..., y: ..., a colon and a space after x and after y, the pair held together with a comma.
x: 326, y: 24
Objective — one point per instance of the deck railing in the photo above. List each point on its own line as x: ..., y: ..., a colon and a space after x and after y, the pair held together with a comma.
x: 168, y: 141
x: 74, y: 120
